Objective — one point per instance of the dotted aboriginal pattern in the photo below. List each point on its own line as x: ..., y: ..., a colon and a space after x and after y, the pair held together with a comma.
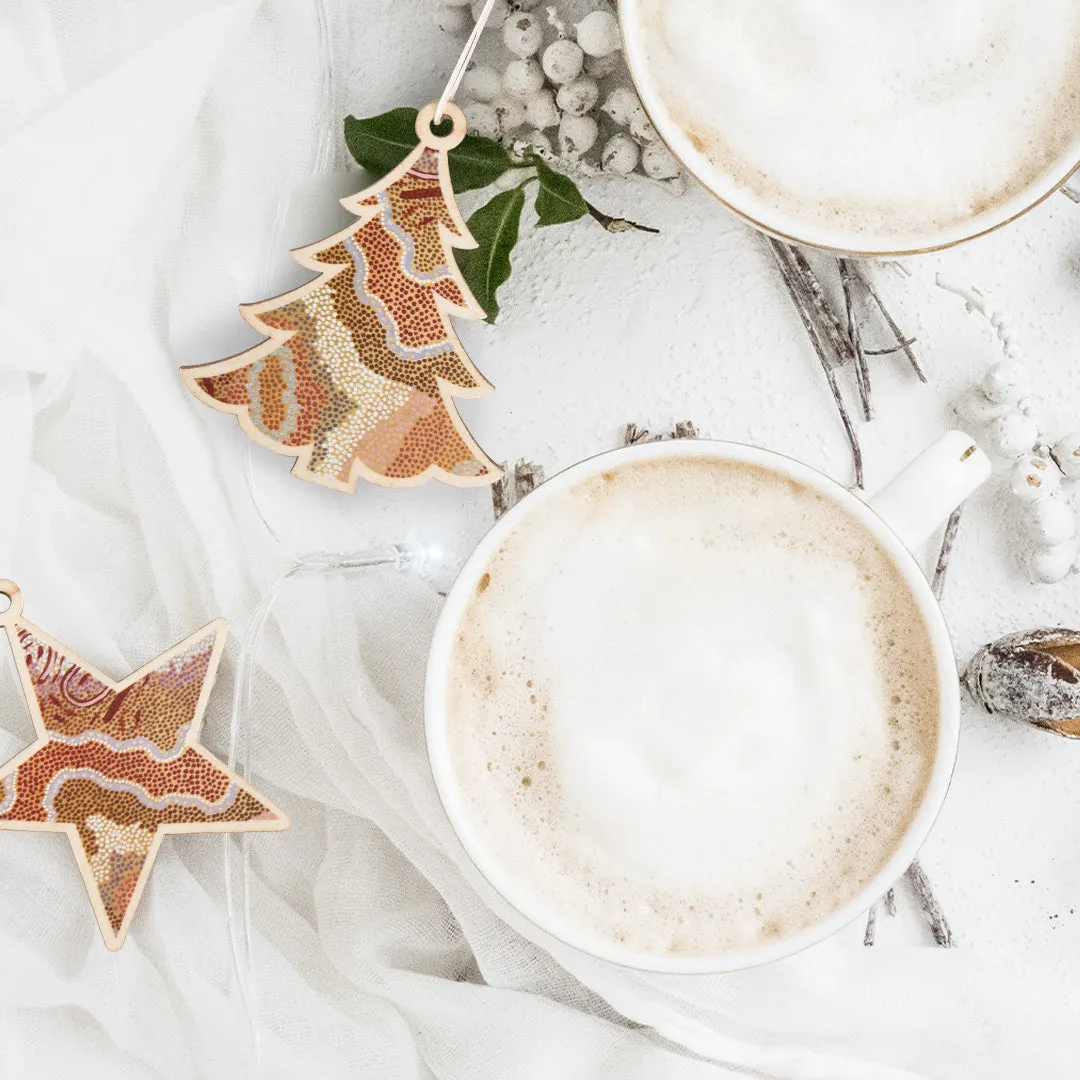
x: 120, y: 764
x: 365, y: 351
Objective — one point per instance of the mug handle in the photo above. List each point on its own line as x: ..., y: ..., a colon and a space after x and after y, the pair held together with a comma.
x: 919, y: 498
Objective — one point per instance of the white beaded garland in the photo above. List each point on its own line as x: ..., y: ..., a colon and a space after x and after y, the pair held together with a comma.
x: 1051, y: 521
x: 1013, y: 434
x: 578, y: 97
x: 1051, y: 564
x: 620, y: 155
x: 598, y: 34
x: 1034, y: 477
x: 1067, y: 455
x: 523, y: 78
x: 562, y: 61
x: 577, y: 135
x: 523, y: 34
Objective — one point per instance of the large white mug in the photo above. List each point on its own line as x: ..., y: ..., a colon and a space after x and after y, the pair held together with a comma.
x: 838, y: 235
x: 903, y: 515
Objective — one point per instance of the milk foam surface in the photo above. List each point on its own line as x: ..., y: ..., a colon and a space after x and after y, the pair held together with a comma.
x: 687, y: 706
x: 881, y: 115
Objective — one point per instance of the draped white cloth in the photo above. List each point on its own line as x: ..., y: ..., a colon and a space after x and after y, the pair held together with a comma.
x: 155, y: 163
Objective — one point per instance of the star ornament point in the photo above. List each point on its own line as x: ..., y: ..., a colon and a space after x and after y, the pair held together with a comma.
x: 117, y: 766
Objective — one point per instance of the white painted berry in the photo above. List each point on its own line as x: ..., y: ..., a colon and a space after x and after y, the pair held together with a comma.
x: 1034, y: 477
x: 498, y: 16
x: 1006, y: 381
x: 541, y: 111
x: 481, y: 83
x: 620, y: 155
x: 577, y: 136
x: 1051, y: 521
x: 523, y: 34
x: 511, y: 114
x: 1050, y: 564
x: 482, y: 119
x: 1013, y: 434
x: 523, y: 78
x: 540, y: 142
x: 641, y: 127
x: 450, y: 19
x: 598, y: 34
x: 562, y: 61
x: 578, y: 97
x: 657, y: 162
x: 1067, y: 455
x: 620, y: 105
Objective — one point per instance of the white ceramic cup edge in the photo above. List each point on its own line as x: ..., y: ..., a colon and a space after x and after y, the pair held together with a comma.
x: 531, y: 906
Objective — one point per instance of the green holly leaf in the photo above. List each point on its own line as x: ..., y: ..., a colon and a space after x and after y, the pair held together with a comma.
x: 495, y: 228
x: 558, y: 200
x: 380, y: 143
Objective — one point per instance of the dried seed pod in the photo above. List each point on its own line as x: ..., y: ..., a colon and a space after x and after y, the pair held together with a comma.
x: 1032, y: 676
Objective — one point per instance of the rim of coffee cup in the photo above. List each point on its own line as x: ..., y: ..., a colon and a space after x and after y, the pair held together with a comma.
x: 546, y: 918
x: 758, y: 213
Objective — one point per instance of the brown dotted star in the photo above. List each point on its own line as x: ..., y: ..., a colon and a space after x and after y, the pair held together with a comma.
x: 117, y: 766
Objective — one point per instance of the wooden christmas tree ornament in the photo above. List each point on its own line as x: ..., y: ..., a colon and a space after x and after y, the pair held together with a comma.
x: 118, y: 766
x: 360, y: 366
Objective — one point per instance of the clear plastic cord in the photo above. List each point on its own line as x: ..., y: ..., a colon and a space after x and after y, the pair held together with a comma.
x: 463, y: 61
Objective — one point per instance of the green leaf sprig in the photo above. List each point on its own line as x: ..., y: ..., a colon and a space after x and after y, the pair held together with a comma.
x: 380, y: 143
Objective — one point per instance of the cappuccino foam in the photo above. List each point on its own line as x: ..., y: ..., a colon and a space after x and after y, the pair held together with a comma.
x: 691, y: 705
x: 886, y: 117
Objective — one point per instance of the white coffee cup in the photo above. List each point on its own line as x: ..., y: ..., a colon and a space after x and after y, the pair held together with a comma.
x: 768, y: 216
x: 901, y: 516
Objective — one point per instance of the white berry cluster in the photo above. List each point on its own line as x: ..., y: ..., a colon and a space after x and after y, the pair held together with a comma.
x: 558, y: 88
x: 1002, y: 405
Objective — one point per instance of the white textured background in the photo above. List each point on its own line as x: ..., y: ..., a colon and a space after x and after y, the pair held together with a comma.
x: 156, y: 163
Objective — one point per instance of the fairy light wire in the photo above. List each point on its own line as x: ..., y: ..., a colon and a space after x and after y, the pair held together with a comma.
x: 399, y: 557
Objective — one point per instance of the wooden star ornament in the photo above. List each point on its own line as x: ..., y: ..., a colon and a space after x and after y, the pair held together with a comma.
x: 118, y: 766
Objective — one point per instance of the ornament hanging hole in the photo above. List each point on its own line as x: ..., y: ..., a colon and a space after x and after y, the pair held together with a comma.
x: 11, y: 602
x: 446, y: 134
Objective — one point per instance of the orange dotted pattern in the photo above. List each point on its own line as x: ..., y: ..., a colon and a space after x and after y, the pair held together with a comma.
x: 365, y: 354
x: 119, y: 764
